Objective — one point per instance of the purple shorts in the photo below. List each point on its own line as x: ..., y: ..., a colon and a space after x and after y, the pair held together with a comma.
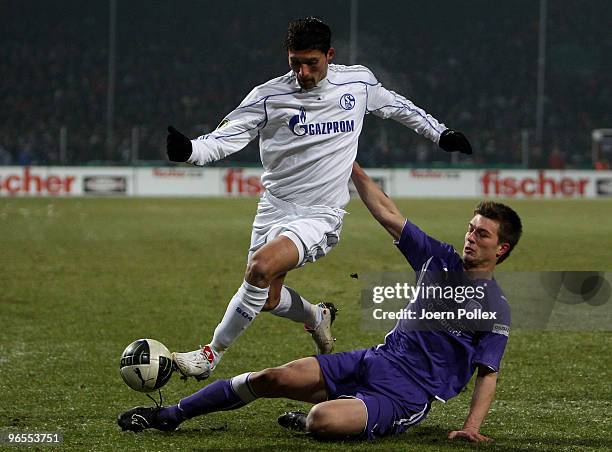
x: 392, y: 400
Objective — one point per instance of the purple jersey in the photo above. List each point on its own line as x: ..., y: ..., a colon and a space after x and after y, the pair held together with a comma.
x: 441, y: 356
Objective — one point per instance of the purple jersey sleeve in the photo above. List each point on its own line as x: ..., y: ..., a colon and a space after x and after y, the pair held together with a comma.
x: 418, y: 247
x: 492, y: 344
x: 490, y: 350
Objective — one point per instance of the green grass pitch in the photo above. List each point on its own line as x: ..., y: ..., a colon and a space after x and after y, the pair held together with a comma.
x: 82, y: 278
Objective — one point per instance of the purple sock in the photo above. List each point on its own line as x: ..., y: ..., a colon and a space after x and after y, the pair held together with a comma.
x: 171, y: 414
x: 217, y: 396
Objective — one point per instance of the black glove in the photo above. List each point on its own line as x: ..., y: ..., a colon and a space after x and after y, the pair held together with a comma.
x: 452, y: 141
x: 178, y: 146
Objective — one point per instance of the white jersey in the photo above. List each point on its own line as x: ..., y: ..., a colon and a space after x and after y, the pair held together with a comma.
x: 308, y: 138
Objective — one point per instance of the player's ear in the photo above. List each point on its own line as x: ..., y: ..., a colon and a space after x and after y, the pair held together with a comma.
x: 503, y: 249
x: 331, y: 53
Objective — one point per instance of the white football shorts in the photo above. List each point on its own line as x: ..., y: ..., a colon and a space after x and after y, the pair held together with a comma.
x: 314, y: 230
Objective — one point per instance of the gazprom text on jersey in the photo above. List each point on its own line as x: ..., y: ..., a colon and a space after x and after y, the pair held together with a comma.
x: 324, y: 128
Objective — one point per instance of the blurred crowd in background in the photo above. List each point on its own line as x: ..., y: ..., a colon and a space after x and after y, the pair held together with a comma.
x: 472, y: 65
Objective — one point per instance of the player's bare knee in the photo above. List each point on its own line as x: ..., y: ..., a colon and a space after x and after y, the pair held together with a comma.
x: 258, y: 272
x: 318, y: 421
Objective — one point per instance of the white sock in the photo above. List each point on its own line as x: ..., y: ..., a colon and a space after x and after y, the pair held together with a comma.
x: 293, y: 306
x: 242, y: 388
x: 240, y: 312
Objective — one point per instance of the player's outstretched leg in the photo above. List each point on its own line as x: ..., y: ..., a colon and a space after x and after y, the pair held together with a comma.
x: 274, y: 258
x: 218, y: 396
x: 317, y: 319
x: 298, y: 380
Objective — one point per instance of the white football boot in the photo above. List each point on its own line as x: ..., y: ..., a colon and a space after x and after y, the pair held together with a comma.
x: 198, y: 363
x: 322, y: 334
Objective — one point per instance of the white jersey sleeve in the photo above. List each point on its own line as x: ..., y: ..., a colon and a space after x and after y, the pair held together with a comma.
x: 388, y: 104
x: 308, y: 139
x: 233, y: 133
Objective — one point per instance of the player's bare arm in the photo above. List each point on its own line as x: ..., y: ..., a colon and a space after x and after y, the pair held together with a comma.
x: 378, y: 203
x: 482, y: 397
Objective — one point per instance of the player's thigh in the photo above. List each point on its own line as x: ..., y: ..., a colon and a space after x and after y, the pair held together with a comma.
x: 298, y: 380
x: 273, y: 259
x: 337, y: 418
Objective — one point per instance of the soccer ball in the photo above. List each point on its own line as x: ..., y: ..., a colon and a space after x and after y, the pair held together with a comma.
x: 146, y: 365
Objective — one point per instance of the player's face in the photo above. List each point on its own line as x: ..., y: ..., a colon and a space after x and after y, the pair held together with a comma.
x: 481, y: 247
x: 309, y: 66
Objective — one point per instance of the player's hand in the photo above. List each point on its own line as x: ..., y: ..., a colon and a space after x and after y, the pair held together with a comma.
x: 178, y: 146
x: 469, y: 434
x: 452, y: 141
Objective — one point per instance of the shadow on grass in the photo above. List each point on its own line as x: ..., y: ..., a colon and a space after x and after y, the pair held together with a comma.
x: 435, y: 436
x: 431, y: 435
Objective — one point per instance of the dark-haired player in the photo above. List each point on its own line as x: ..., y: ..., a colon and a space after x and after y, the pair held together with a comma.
x: 308, y: 123
x: 385, y: 389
